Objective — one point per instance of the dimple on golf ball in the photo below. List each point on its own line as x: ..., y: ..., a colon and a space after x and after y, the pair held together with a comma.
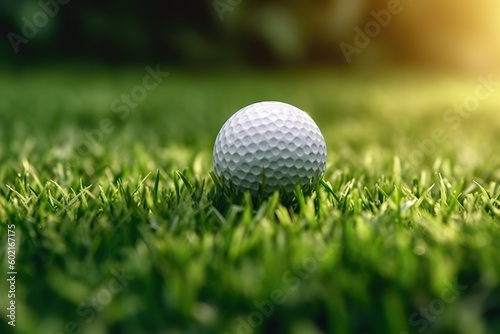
x: 269, y: 146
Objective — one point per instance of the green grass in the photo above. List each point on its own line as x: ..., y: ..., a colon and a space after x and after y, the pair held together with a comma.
x: 381, y: 239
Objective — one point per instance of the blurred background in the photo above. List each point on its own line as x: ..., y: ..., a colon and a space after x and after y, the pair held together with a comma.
x: 459, y: 35
x: 379, y: 70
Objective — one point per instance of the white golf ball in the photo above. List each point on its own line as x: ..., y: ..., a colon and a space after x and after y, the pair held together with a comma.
x: 268, y: 146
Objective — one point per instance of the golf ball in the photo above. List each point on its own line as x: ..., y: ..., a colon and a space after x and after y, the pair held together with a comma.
x: 268, y: 146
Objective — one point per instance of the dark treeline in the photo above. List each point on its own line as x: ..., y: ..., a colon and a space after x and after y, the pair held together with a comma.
x: 241, y: 32
x: 181, y: 32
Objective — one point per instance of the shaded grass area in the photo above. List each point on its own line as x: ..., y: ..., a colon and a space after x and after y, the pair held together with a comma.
x: 385, y: 245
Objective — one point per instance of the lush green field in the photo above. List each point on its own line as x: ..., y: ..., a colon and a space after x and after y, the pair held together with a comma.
x: 127, y: 233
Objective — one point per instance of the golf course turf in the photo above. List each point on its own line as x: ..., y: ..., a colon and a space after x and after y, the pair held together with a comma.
x: 120, y: 227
